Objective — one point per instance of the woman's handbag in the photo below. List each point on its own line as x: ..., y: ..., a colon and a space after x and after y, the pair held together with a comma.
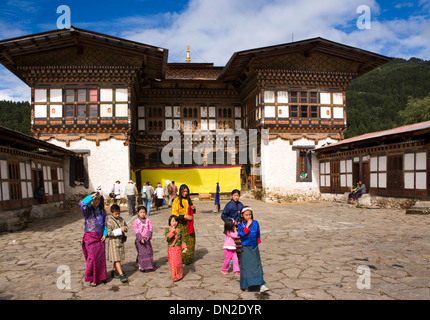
x: 112, y: 195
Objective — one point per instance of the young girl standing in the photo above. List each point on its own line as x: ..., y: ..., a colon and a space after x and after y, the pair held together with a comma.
x: 143, y: 230
x: 230, y: 247
x: 175, y: 243
x: 232, y: 211
x: 251, y: 270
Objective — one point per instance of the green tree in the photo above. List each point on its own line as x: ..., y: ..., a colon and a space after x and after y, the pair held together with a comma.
x: 417, y: 110
x: 375, y: 99
x: 16, y: 116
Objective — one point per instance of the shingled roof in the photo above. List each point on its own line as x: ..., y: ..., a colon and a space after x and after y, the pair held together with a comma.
x: 380, y: 136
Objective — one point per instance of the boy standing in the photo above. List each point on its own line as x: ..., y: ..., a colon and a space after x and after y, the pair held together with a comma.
x: 116, y: 229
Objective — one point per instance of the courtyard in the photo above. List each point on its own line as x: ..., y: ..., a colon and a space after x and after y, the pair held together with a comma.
x: 309, y: 250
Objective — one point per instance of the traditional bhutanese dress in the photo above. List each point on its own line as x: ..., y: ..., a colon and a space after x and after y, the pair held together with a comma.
x: 232, y: 211
x: 145, y: 254
x: 92, y: 247
x: 190, y: 238
x: 116, y: 250
x: 251, y: 270
x: 175, y: 245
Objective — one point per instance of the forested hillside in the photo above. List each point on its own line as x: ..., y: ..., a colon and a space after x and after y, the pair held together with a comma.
x: 384, y: 98
x: 395, y: 94
x: 16, y: 116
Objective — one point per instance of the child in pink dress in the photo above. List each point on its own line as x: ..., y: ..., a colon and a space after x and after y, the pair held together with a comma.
x: 231, y: 234
x: 143, y: 230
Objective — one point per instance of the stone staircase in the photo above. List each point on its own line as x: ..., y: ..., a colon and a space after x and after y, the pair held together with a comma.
x: 420, y: 207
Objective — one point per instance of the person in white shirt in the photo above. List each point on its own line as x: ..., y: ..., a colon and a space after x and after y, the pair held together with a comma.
x: 147, y: 193
x: 117, y: 190
x: 168, y: 190
x: 159, y: 194
x: 131, y: 193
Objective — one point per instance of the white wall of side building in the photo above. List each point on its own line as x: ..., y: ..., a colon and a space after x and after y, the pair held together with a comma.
x: 107, y: 163
x: 279, y: 169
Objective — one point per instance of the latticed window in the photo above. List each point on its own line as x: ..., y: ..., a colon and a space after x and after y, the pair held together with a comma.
x: 14, y: 183
x: 54, y: 178
x: 304, y: 165
x: 294, y: 113
x: 335, y: 173
x: 302, y: 162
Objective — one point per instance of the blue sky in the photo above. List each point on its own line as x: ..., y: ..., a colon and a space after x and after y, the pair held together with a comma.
x: 215, y: 29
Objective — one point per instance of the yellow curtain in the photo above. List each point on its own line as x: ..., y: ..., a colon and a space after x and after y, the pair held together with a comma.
x: 198, y: 179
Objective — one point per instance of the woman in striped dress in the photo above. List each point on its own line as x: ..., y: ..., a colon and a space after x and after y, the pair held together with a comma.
x: 180, y: 208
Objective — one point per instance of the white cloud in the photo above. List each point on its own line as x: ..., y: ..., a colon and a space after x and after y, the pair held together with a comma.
x: 12, y: 88
x: 10, y: 30
x: 216, y: 29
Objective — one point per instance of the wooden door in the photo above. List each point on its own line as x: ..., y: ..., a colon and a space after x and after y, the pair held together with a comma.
x: 355, y: 173
x: 365, y: 175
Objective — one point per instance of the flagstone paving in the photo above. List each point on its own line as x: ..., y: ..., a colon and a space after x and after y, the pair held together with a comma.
x: 309, y: 251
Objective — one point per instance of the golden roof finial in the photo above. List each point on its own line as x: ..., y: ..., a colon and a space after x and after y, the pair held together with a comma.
x: 188, y: 59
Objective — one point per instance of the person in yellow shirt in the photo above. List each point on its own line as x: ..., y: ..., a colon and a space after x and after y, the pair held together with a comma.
x: 184, y: 209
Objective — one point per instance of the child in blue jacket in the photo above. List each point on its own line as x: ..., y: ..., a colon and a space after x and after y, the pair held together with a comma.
x: 251, y: 270
x: 232, y: 211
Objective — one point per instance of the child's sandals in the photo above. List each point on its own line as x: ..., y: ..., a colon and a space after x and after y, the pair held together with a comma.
x: 123, y: 278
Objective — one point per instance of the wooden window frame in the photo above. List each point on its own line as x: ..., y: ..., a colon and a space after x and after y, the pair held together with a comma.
x: 15, y: 192
x: 304, y: 164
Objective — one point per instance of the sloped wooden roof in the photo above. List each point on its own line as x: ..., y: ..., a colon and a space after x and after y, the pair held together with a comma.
x: 14, y: 54
x: 365, y: 60
x: 21, y: 141
x: 411, y: 130
x: 11, y: 50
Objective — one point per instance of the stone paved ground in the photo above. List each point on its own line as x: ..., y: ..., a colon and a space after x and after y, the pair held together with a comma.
x: 308, y: 250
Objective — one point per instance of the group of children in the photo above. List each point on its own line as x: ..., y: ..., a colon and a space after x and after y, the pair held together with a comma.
x: 242, y: 236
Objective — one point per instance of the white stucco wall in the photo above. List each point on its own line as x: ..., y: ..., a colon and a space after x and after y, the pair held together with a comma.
x: 279, y: 169
x: 106, y: 164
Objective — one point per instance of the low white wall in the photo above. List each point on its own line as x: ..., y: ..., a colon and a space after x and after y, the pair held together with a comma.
x: 106, y: 163
x: 279, y: 170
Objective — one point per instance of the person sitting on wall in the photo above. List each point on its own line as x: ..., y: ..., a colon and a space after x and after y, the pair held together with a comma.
x: 350, y: 195
x: 40, y: 195
x: 359, y: 191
